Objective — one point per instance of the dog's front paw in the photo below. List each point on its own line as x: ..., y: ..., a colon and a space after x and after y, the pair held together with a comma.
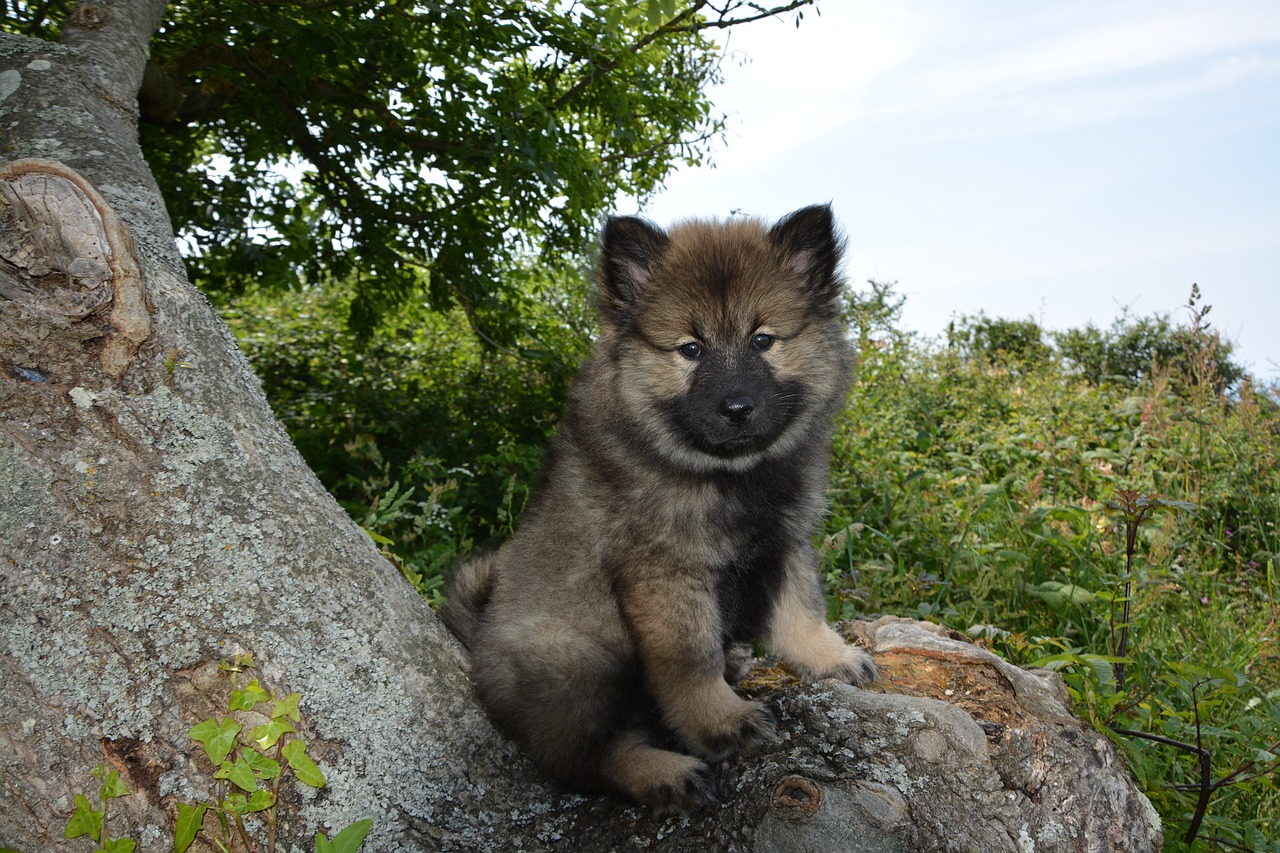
x: 855, y: 667
x: 693, y: 788
x: 751, y: 726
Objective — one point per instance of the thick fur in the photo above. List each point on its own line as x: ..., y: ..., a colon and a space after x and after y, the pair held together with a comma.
x: 675, y: 515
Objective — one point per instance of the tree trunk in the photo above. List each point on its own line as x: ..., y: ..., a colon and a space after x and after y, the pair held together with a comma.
x: 154, y: 517
x: 155, y: 520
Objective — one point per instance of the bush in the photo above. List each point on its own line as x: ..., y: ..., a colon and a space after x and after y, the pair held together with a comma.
x: 427, y: 436
x: 972, y: 484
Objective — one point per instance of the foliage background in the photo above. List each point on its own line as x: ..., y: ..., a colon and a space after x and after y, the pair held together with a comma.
x: 969, y: 485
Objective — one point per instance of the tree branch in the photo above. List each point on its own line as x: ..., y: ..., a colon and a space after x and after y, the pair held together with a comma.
x: 115, y: 34
x: 678, y: 25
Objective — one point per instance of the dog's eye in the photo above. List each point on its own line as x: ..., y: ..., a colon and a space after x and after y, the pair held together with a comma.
x: 691, y: 350
x: 761, y: 342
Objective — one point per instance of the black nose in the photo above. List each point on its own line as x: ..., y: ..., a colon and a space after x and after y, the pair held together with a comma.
x: 737, y: 410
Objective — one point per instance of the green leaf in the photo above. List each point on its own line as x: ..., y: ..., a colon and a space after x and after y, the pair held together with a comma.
x: 116, y: 845
x: 267, y: 734
x: 263, y: 767
x: 247, y: 699
x: 295, y: 752
x: 113, y: 787
x: 237, y: 804
x: 1103, y: 668
x: 346, y: 841
x: 377, y: 537
x: 190, y: 821
x: 84, y: 820
x: 260, y: 801
x: 1058, y: 595
x: 241, y: 663
x: 286, y: 707
x: 240, y: 774
x: 219, y: 738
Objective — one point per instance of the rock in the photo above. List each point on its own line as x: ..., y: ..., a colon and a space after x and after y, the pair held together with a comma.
x: 952, y: 749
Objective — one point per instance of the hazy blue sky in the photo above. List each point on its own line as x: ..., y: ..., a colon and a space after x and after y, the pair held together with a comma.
x: 1055, y: 160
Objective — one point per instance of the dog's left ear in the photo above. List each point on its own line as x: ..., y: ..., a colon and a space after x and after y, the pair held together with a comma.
x: 810, y: 248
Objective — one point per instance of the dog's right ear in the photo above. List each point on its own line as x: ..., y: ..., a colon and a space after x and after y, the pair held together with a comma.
x: 630, y: 249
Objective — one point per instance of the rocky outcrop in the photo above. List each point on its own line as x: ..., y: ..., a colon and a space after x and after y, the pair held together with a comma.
x: 953, y: 749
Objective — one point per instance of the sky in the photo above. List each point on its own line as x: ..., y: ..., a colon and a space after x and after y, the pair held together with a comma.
x: 1063, y: 161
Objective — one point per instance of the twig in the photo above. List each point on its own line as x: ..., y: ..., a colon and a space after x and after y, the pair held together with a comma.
x: 1202, y: 805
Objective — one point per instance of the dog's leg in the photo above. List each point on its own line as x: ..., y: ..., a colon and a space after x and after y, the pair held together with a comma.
x: 675, y: 625
x: 799, y: 634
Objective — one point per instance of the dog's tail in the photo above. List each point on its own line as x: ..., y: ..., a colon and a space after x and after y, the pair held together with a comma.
x: 470, y: 585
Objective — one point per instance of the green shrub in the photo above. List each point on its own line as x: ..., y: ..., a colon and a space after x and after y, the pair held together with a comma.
x: 971, y: 485
x: 426, y: 435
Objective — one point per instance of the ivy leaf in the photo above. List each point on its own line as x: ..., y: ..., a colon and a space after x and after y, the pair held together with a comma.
x: 260, y: 801
x: 190, y: 822
x: 267, y: 734
x: 116, y: 845
x: 84, y: 820
x: 237, y: 804
x: 218, y: 738
x: 347, y: 841
x: 286, y: 707
x: 240, y: 774
x: 113, y: 787
x: 295, y: 752
x: 247, y: 699
x: 263, y: 767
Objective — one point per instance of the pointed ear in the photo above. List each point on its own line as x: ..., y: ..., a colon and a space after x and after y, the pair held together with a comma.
x: 630, y: 250
x: 808, y: 244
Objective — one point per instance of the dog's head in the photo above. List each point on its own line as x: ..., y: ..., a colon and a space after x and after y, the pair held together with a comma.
x: 723, y: 339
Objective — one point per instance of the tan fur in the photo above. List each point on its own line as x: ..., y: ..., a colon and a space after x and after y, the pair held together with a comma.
x: 676, y: 513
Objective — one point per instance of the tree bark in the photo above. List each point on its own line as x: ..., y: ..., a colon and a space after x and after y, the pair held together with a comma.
x: 154, y: 517
x: 155, y: 520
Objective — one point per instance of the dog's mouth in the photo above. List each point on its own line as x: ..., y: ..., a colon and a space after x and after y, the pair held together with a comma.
x: 709, y: 433
x: 738, y: 445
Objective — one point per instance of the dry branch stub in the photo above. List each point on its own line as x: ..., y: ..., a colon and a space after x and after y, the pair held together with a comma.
x: 66, y: 258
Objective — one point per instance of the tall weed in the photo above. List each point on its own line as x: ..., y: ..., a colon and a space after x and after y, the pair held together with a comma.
x: 970, y: 486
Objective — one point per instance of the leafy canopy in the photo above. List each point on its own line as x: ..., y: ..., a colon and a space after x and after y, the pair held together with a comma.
x: 409, y: 145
